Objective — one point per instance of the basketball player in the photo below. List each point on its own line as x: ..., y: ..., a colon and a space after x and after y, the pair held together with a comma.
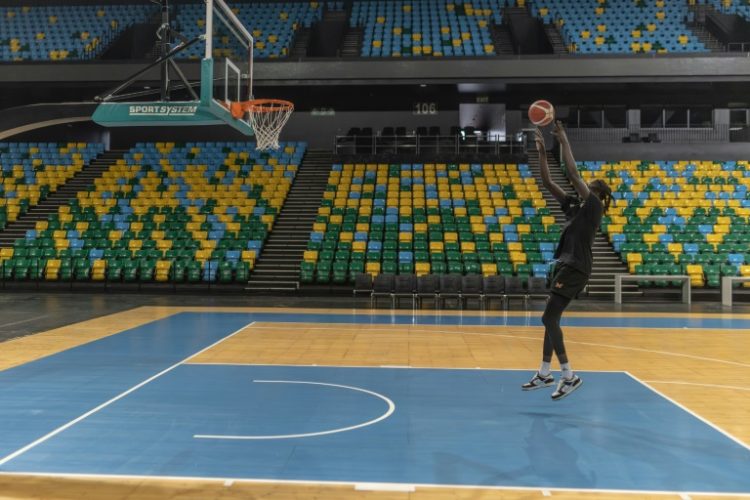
x: 573, y: 256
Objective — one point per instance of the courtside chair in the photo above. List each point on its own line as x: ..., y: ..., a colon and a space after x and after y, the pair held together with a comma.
x: 382, y: 286
x: 472, y: 288
x: 537, y: 288
x: 450, y: 288
x: 428, y: 287
x: 362, y: 285
x: 493, y: 288
x: 405, y: 286
x: 515, y: 289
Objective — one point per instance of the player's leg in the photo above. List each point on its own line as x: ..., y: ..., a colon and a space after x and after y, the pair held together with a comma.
x: 551, y: 319
x: 543, y: 377
x: 556, y: 305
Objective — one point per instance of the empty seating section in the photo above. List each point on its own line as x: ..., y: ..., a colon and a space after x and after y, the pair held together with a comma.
x: 430, y: 218
x: 195, y: 212
x: 679, y: 217
x: 621, y: 26
x: 739, y: 7
x: 42, y: 33
x: 392, y: 28
x: 406, y: 28
x: 273, y: 26
x: 32, y: 170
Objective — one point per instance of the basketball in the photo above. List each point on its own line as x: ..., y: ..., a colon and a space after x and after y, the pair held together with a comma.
x: 541, y: 113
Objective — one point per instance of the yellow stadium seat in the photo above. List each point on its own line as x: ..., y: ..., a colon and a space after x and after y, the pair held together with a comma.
x: 347, y: 236
x: 468, y: 247
x: 695, y: 271
x: 715, y: 239
x: 745, y: 272
x: 250, y: 255
x: 98, y: 270
x: 496, y: 237
x: 52, y: 271
x: 634, y: 259
x: 372, y: 268
x: 518, y: 257
x: 422, y: 268
x: 489, y: 269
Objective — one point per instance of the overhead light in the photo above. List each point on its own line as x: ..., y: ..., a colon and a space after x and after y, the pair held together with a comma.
x: 423, y: 85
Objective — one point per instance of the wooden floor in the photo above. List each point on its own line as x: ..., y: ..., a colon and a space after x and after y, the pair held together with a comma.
x: 703, y: 370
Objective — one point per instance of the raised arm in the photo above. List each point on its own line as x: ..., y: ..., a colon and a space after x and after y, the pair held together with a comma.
x: 547, y: 181
x: 570, y: 163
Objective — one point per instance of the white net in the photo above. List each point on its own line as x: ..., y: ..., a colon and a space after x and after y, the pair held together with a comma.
x: 268, y: 117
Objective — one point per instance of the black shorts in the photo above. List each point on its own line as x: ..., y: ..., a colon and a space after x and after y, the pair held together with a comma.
x: 567, y: 281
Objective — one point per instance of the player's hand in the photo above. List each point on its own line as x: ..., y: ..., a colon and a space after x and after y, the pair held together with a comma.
x: 559, y: 132
x: 541, y: 147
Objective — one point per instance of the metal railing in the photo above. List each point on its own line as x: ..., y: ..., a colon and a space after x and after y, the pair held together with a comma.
x: 738, y: 47
x: 426, y: 144
x: 739, y: 134
x: 719, y: 133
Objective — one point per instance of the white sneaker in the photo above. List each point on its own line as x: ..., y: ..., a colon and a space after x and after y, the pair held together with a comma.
x: 566, y: 386
x: 538, y: 381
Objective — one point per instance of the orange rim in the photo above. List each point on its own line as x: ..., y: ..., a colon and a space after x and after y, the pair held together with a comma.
x: 238, y: 109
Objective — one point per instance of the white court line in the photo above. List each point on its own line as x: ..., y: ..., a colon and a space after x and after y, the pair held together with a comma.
x: 57, y: 431
x: 393, y: 367
x: 24, y: 321
x: 388, y: 413
x: 522, y: 337
x: 405, y: 488
x: 717, y: 386
x: 687, y: 410
x: 693, y: 329
x: 304, y: 482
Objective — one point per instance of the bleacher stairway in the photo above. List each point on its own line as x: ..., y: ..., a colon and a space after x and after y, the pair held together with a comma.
x: 351, y: 46
x: 502, y: 40
x: 277, y: 268
x: 66, y: 192
x: 606, y: 261
x: 555, y: 39
x: 301, y: 43
x: 698, y: 27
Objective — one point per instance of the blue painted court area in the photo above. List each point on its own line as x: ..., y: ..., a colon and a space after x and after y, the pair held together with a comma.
x: 460, y: 427
x: 38, y: 397
x: 449, y: 427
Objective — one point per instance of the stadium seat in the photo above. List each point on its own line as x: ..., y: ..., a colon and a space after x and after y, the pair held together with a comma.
x: 675, y: 218
x: 55, y: 33
x: 31, y: 171
x: 620, y: 26
x: 165, y: 212
x: 437, y: 28
x: 433, y: 218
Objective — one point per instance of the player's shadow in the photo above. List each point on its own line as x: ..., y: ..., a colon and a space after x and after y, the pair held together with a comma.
x: 544, y: 457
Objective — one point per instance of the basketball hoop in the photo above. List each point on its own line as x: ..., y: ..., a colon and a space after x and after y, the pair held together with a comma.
x: 267, y: 117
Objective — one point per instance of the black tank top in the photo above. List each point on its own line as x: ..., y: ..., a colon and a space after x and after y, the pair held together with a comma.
x: 577, y: 239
